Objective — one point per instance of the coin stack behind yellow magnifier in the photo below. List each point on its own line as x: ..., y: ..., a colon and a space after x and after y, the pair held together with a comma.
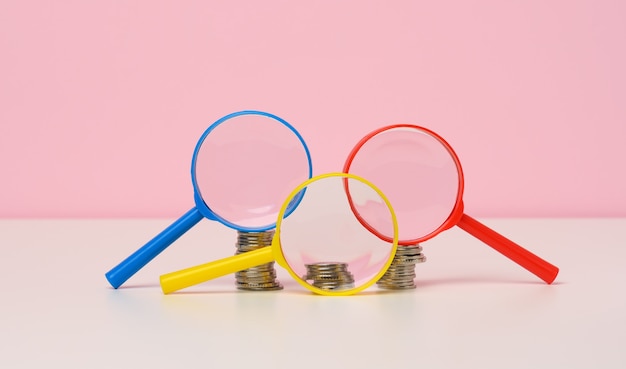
x: 261, y: 277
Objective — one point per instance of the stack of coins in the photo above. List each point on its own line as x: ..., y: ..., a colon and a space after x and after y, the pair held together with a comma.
x: 401, y: 273
x: 262, y: 277
x: 329, y: 276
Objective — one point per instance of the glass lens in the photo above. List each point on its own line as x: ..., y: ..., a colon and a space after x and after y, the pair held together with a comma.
x: 247, y: 166
x: 418, y: 174
x: 323, y: 243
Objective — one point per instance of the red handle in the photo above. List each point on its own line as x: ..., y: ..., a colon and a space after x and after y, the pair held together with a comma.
x: 531, y: 262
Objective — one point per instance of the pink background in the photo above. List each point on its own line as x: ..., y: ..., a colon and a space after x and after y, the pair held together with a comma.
x: 101, y: 103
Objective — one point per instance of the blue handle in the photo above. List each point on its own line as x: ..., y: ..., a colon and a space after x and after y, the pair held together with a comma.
x: 131, y: 265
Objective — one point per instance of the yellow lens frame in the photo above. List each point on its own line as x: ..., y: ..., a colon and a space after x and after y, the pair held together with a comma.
x: 280, y: 257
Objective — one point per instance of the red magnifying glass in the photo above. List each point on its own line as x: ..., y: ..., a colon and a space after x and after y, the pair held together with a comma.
x: 422, y: 176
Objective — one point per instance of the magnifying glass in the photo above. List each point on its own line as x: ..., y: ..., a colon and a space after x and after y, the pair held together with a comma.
x: 423, y: 178
x: 243, y: 167
x: 321, y: 244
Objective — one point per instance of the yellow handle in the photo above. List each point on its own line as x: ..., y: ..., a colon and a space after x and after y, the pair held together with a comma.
x: 191, y: 276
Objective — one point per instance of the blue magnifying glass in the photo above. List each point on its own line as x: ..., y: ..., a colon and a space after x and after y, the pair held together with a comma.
x: 243, y: 167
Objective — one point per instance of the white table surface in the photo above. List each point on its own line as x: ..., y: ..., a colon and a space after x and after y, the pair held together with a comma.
x: 473, y: 308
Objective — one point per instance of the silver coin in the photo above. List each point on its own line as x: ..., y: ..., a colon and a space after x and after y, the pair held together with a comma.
x: 326, y: 286
x: 404, y: 285
x: 257, y: 285
x: 410, y: 259
x: 256, y: 273
x: 275, y: 287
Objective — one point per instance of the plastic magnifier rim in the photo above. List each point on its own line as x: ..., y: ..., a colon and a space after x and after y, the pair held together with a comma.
x: 188, y: 277
x: 201, y: 204
x: 282, y: 261
x: 456, y: 211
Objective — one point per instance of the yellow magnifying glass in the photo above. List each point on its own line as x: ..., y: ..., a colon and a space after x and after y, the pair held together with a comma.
x: 322, y: 244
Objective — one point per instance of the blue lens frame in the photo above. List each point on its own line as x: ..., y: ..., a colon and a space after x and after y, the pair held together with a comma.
x: 205, y: 209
